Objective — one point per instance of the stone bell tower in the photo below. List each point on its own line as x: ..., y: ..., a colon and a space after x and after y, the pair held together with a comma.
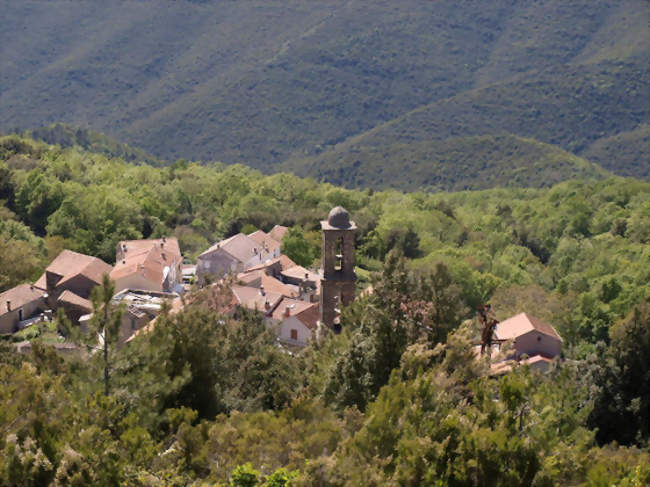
x: 338, y: 277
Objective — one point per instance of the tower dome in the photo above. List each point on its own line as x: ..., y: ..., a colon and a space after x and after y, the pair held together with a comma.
x: 339, y: 217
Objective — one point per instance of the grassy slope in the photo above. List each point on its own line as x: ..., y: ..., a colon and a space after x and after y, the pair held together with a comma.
x: 90, y: 140
x: 473, y: 162
x: 260, y: 82
x: 626, y: 153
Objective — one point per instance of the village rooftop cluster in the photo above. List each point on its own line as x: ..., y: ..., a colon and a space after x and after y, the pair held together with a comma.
x: 296, y: 303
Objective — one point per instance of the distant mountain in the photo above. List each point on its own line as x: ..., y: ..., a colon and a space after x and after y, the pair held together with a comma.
x: 267, y: 82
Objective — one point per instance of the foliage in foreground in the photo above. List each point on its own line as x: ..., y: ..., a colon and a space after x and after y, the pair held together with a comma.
x: 207, y: 399
x: 397, y: 398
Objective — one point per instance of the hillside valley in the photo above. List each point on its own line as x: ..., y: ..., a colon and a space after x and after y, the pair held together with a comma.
x: 305, y: 85
x: 203, y: 394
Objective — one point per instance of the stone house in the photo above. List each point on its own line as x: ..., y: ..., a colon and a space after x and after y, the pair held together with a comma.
x: 235, y: 254
x: 75, y: 273
x: 18, y: 305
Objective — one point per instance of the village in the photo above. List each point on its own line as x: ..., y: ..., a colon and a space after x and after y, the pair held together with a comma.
x: 298, y: 304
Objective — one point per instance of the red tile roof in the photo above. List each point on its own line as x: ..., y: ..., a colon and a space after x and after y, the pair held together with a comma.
x: 278, y: 232
x: 68, y: 297
x: 69, y: 264
x: 521, y: 324
x: 169, y: 245
x: 150, y: 262
x: 307, y: 313
x: 19, y: 296
x: 299, y: 272
x: 252, y: 298
x: 272, y: 284
x: 265, y: 240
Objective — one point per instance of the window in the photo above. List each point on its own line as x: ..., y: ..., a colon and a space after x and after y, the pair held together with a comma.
x: 294, y: 334
x: 20, y: 314
x: 338, y: 263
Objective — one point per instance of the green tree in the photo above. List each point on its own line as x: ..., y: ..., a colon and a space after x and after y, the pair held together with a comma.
x: 297, y: 248
x: 622, y: 377
x: 244, y: 476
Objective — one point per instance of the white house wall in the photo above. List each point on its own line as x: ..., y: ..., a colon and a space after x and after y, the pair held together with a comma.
x: 283, y: 330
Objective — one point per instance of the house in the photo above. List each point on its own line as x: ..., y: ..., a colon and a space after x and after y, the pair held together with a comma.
x: 18, y: 305
x: 278, y: 232
x: 267, y: 242
x: 530, y: 336
x: 534, y: 342
x: 75, y: 273
x: 151, y: 265
x: 235, y: 254
x: 294, y: 321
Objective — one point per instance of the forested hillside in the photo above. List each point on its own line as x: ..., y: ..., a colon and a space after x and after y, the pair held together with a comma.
x: 261, y: 83
x: 398, y: 398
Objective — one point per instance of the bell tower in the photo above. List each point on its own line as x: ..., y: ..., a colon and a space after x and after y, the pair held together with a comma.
x: 338, y: 277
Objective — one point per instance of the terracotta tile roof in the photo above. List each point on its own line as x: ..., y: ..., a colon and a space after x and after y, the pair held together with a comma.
x: 252, y: 298
x: 299, y: 272
x: 310, y: 316
x: 500, y: 368
x: 307, y: 313
x: 251, y: 277
x: 169, y: 245
x: 150, y: 262
x: 283, y: 261
x: 265, y: 240
x: 68, y: 297
x: 240, y: 246
x: 521, y: 324
x: 19, y: 296
x: 272, y: 284
x: 69, y: 264
x: 277, y: 233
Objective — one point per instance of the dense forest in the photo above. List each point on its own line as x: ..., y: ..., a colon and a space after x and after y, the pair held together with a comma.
x: 301, y: 82
x: 397, y: 398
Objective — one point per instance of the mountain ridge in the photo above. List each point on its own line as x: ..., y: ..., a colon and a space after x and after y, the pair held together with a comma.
x: 261, y: 83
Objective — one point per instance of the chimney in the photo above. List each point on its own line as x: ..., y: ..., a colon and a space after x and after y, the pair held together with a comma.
x: 262, y: 291
x: 306, y: 276
x: 31, y: 287
x: 123, y: 247
x: 287, y: 311
x: 8, y: 305
x: 162, y: 244
x: 267, y: 305
x: 164, y: 239
x: 255, y: 250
